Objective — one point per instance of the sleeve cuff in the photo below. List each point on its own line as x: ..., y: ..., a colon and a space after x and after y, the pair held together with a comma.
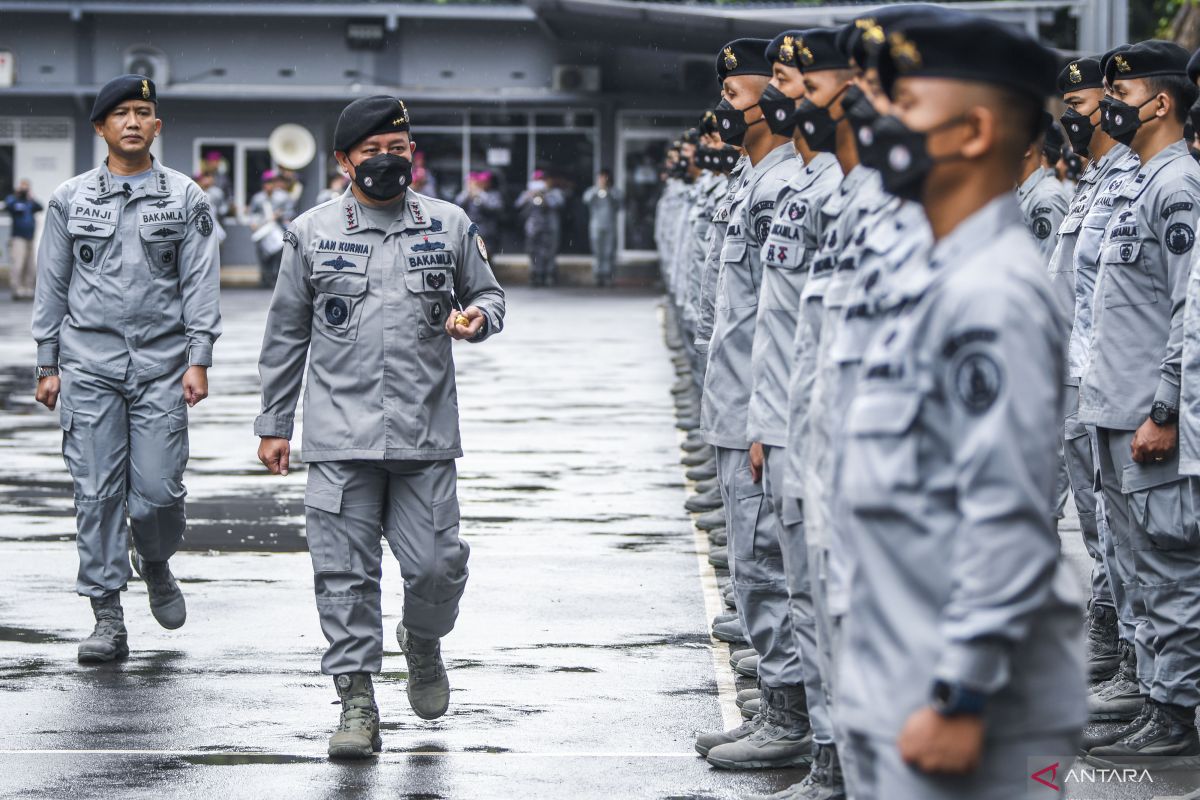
x: 47, y: 354
x: 200, y: 354
x: 272, y: 425
x: 1167, y: 393
x: 981, y: 666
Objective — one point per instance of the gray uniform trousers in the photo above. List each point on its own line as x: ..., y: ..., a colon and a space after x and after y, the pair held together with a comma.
x: 756, y: 567
x: 414, y: 505
x: 1080, y: 471
x: 604, y: 250
x: 1159, y: 511
x: 802, y: 623
x: 126, y: 445
x: 1003, y: 773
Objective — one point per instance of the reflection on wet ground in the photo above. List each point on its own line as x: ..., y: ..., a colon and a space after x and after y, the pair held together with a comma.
x: 581, y: 663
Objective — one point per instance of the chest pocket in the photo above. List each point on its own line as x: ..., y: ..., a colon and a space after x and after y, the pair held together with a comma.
x: 90, y: 242
x: 429, y: 280
x: 1071, y: 223
x: 161, y: 226
x: 338, y: 303
x: 881, y: 460
x: 1127, y: 281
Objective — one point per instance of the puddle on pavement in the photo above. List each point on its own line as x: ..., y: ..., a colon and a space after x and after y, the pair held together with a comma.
x: 9, y: 633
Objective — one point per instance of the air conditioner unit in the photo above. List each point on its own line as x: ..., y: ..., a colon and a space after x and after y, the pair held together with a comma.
x: 570, y: 78
x: 148, y: 61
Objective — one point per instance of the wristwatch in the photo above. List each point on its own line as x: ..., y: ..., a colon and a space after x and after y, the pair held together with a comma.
x: 1163, y: 414
x: 46, y: 372
x: 953, y: 699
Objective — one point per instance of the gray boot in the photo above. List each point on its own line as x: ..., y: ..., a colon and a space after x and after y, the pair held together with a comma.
x: 751, y: 708
x: 737, y: 654
x: 711, y: 521
x: 783, y: 740
x: 823, y: 782
x: 1119, y: 698
x: 746, y: 695
x: 166, y: 600
x: 109, y: 640
x: 357, y: 734
x: 719, y: 557
x: 428, y: 686
x: 1103, y: 643
x: 730, y: 633
x: 705, y: 742
x: 748, y: 667
x: 699, y: 503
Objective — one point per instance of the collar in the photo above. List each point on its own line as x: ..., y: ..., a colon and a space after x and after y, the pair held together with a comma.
x: 776, y: 157
x: 1038, y: 175
x: 1145, y: 176
x: 818, y: 166
x: 156, y: 185
x: 413, y: 216
x: 982, y: 226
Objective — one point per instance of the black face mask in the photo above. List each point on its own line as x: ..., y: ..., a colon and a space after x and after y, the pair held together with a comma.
x: 779, y: 110
x: 861, y: 115
x: 817, y: 125
x: 731, y: 123
x: 1079, y: 128
x: 1121, y: 120
x: 383, y: 177
x: 906, y: 163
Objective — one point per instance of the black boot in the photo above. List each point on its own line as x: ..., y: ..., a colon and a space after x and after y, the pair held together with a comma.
x: 1093, y: 740
x: 1170, y: 732
x: 1118, y: 699
x: 1103, y: 643
x: 109, y: 640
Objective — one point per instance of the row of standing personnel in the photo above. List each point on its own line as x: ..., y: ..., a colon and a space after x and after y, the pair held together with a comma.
x: 903, y: 341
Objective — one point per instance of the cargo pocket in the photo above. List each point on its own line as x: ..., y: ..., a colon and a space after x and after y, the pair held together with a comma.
x: 882, y: 460
x: 177, y: 439
x: 748, y: 500
x: 328, y: 540
x: 452, y: 552
x: 337, y: 306
x: 76, y: 446
x: 161, y: 256
x: 1161, y: 505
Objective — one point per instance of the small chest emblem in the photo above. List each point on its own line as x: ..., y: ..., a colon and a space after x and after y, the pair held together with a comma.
x: 436, y: 279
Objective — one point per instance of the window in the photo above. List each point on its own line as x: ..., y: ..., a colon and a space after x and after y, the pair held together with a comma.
x: 237, y: 166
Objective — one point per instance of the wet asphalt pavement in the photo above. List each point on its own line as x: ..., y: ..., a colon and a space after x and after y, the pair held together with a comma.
x: 581, y: 664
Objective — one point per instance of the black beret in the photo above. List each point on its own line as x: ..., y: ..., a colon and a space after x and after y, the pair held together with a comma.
x: 708, y: 123
x: 742, y: 57
x: 368, y: 116
x: 1109, y: 54
x: 118, y: 90
x: 1082, y: 73
x: 817, y: 49
x: 1147, y: 59
x: 1193, y: 67
x: 782, y: 49
x: 967, y: 47
x: 1194, y: 113
x: 861, y: 37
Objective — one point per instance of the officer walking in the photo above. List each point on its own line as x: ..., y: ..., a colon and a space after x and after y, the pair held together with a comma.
x: 1130, y: 392
x: 376, y: 285
x: 125, y: 316
x: 603, y: 202
x: 960, y: 647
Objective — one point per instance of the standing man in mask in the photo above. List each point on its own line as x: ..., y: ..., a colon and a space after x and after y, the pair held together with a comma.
x: 1131, y: 387
x: 604, y: 202
x: 1074, y: 267
x: 781, y: 735
x: 131, y: 362
x: 953, y: 675
x: 1042, y: 197
x: 23, y: 209
x: 372, y: 290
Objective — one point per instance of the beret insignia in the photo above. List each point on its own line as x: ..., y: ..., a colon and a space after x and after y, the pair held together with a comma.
x: 1122, y: 64
x: 1073, y: 73
x: 904, y: 52
x: 731, y: 61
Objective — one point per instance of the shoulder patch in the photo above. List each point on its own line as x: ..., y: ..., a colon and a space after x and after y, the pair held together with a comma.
x: 760, y: 206
x: 1042, y: 228
x: 56, y: 206
x: 291, y: 239
x: 473, y: 230
x: 1175, y: 208
x: 435, y: 225
x: 978, y: 380
x: 1180, y: 238
x: 482, y: 247
x: 204, y: 223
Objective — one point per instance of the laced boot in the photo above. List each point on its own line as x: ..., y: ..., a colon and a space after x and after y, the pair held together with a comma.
x: 166, y: 600
x: 357, y: 734
x: 109, y: 640
x: 428, y: 686
x: 783, y: 740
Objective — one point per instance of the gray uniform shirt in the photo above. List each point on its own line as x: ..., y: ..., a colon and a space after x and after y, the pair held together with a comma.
x: 948, y: 471
x: 1189, y: 399
x: 603, y: 206
x: 1137, y: 333
x: 128, y: 283
x: 366, y: 308
x: 711, y: 188
x: 726, y: 398
x: 1116, y: 167
x: 787, y: 255
x: 711, y: 274
x: 1044, y: 204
